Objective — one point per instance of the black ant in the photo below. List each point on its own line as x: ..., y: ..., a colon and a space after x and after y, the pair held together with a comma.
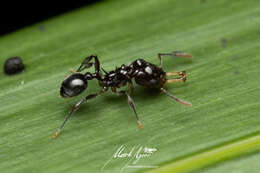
x: 144, y: 73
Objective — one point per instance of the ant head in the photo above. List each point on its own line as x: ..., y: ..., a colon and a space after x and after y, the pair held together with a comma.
x: 73, y: 85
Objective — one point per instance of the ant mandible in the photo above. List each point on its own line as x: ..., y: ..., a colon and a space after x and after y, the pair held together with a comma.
x: 145, y: 74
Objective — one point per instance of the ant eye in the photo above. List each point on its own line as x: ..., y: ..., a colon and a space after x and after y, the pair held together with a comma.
x: 73, y: 85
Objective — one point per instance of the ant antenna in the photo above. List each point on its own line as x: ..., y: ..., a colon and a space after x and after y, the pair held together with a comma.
x: 83, y: 67
x: 175, y: 98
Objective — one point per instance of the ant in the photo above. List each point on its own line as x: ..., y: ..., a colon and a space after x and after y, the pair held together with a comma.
x: 145, y: 74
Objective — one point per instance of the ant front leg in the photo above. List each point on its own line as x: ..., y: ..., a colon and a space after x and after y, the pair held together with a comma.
x: 75, y: 108
x: 174, y: 54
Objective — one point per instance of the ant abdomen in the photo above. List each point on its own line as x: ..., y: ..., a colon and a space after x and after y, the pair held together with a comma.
x: 148, y: 75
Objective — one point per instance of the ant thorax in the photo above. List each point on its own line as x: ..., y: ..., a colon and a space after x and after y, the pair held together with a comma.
x: 144, y: 73
x: 118, y: 77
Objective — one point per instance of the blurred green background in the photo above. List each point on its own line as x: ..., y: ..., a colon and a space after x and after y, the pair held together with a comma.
x: 222, y: 85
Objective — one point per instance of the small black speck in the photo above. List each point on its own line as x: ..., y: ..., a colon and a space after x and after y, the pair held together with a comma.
x: 223, y: 42
x: 236, y: 72
x: 41, y: 28
x: 235, y: 58
x: 13, y: 65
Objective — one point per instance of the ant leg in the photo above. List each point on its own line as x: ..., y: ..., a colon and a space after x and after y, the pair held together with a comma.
x: 182, y: 77
x: 175, y: 98
x: 131, y: 104
x: 174, y: 54
x: 131, y: 87
x: 75, y: 108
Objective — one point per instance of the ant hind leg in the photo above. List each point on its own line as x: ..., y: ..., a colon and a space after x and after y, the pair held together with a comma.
x: 175, y: 98
x: 181, y: 78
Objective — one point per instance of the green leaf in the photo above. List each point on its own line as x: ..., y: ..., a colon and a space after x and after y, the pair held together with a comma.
x: 222, y: 84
